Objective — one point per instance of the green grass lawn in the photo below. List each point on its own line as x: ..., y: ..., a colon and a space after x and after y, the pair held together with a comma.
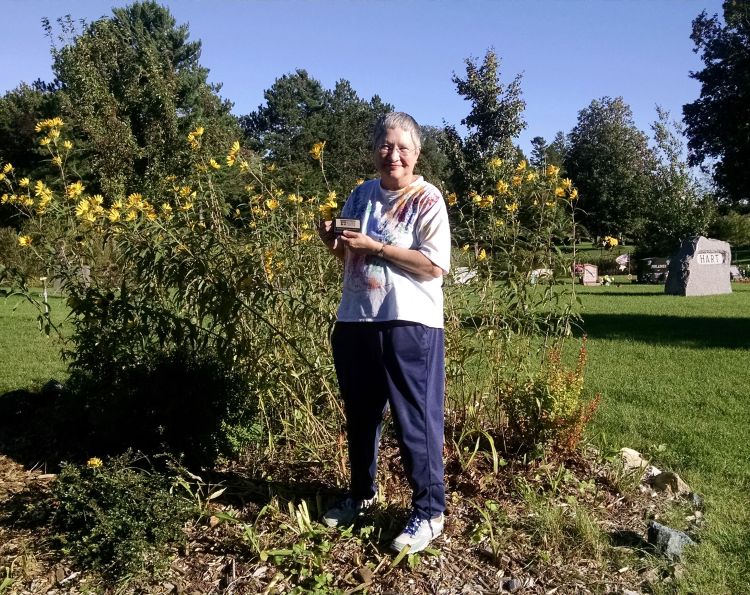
x: 28, y: 358
x: 674, y: 374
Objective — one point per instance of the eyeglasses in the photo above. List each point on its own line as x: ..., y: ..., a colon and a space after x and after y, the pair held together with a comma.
x: 386, y: 149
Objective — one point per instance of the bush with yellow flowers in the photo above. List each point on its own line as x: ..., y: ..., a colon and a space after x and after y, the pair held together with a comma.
x: 504, y: 327
x: 239, y: 279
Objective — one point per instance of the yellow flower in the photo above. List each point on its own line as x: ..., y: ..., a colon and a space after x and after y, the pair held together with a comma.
x: 512, y: 207
x: 552, y: 170
x: 94, y: 463
x: 317, y: 150
x: 499, y: 223
x: 7, y: 168
x: 294, y: 199
x: 516, y: 180
x: 550, y: 203
x: 113, y: 215
x: 213, y: 163
x: 131, y: 215
x: 496, y: 162
x: 166, y: 209
x: 42, y: 191
x: 57, y: 160
x: 198, y: 131
x: 75, y: 189
x: 521, y: 165
x: 82, y: 208
x: 328, y: 207
x: 465, y: 248
x: 559, y: 191
x: 502, y: 186
x: 67, y: 145
x: 24, y: 182
x: 271, y: 167
x: 186, y: 206
x: 475, y: 198
x: 360, y: 181
x: 272, y: 204
x: 233, y: 153
x: 151, y: 216
x: 452, y: 199
x: 306, y: 236
x: 487, y: 201
x: 531, y: 176
x: 49, y: 123
x: 573, y: 194
x: 24, y: 241
x: 482, y: 255
x: 567, y: 183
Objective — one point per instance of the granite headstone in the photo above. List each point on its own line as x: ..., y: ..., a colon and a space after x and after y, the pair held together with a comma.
x: 700, y: 267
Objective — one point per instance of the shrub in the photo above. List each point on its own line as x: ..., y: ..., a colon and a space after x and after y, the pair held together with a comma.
x: 117, y: 518
x: 177, y: 402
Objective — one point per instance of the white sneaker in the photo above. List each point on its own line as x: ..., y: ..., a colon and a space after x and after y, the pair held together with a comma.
x: 418, y: 533
x: 346, y: 511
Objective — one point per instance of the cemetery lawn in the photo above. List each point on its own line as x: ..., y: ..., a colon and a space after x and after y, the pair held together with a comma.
x: 28, y: 358
x: 674, y: 374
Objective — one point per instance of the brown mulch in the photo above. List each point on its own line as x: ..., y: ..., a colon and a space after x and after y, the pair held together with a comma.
x: 216, y: 559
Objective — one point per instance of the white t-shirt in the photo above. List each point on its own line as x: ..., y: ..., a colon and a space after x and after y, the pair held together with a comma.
x: 375, y: 289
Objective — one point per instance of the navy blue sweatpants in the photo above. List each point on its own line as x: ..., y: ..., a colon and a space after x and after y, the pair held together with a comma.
x: 400, y: 364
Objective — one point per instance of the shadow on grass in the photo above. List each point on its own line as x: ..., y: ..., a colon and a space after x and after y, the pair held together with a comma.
x: 697, y: 332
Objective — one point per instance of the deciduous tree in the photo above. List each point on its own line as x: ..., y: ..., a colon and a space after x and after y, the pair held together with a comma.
x: 610, y: 162
x: 678, y: 206
x: 718, y: 122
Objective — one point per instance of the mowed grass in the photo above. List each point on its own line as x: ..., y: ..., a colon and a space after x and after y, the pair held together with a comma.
x: 674, y: 375
x: 28, y: 358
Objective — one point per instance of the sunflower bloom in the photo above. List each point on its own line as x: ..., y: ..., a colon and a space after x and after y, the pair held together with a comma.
x: 316, y: 152
x: 214, y: 164
x: 272, y: 204
x: 94, y: 463
x: 521, y: 165
x: 502, y: 187
x: 24, y: 182
x: 559, y: 191
x: 24, y: 241
x: 82, y: 208
x: 573, y: 194
x: 75, y: 189
x: 233, y: 153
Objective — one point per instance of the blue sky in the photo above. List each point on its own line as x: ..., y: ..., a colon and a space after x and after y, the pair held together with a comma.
x: 568, y: 51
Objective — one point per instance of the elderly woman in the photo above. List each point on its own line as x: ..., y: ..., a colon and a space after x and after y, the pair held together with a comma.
x: 388, y: 338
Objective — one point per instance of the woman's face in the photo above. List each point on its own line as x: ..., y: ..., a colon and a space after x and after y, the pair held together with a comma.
x: 395, y: 159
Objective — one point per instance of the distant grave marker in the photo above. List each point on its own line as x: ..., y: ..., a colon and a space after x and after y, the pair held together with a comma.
x: 700, y: 267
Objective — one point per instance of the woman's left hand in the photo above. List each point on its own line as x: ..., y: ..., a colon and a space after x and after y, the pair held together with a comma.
x: 360, y: 243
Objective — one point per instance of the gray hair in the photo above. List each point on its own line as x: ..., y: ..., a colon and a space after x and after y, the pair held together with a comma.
x: 396, y: 120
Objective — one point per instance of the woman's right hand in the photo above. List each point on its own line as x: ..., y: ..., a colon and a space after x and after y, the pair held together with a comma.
x: 327, y: 236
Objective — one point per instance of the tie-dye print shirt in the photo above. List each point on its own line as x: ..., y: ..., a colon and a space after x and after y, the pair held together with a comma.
x: 375, y: 289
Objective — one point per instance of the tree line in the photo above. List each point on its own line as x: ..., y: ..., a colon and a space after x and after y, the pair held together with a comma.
x: 131, y: 85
